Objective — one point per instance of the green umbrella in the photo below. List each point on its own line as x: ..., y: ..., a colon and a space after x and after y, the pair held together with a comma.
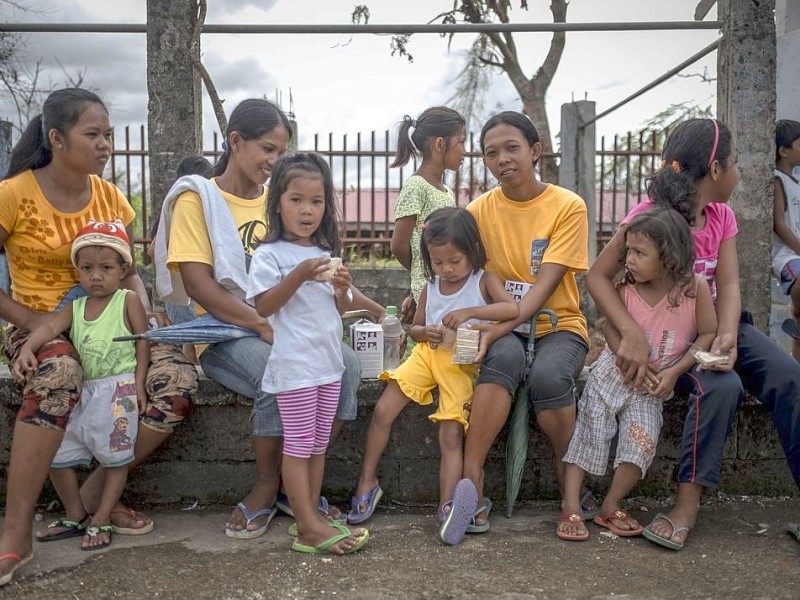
x: 518, y: 436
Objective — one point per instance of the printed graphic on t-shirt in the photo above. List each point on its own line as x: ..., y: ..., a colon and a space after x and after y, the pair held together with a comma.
x: 708, y: 269
x: 662, y: 349
x: 537, y: 252
x: 251, y: 234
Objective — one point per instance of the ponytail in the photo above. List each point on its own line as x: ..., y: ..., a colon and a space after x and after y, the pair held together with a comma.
x: 689, y: 152
x: 32, y: 151
x: 672, y: 188
x: 222, y: 163
x: 406, y: 148
x: 414, y: 135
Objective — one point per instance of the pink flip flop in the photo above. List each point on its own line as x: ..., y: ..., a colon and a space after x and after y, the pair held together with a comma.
x: 20, y: 561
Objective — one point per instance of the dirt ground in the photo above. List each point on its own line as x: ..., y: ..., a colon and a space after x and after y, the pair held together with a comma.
x: 740, y: 549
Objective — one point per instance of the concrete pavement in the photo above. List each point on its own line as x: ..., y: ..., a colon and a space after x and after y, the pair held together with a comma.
x: 739, y: 549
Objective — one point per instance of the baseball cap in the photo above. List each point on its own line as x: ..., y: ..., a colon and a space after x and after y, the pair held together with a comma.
x: 111, y: 235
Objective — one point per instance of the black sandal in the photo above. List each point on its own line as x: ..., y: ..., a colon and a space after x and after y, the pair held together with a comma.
x: 72, y: 529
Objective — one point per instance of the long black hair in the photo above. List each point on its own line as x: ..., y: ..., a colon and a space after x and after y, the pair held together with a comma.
x: 690, y: 150
x: 252, y: 118
x: 288, y: 168
x: 60, y: 111
x: 434, y: 122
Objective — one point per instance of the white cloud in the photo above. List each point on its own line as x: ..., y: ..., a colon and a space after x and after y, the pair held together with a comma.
x: 351, y: 83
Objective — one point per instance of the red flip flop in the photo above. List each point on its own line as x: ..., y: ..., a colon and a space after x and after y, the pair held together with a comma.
x: 571, y: 537
x: 20, y: 561
x: 604, y: 520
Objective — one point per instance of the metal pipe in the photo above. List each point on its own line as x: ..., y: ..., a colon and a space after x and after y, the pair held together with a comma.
x: 352, y: 29
x: 694, y: 58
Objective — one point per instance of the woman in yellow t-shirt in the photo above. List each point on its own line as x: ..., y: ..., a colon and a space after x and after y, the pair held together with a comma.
x: 50, y: 192
x: 536, y: 237
x: 258, y: 134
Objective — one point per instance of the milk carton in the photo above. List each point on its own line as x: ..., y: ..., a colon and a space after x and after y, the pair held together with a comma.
x: 366, y: 338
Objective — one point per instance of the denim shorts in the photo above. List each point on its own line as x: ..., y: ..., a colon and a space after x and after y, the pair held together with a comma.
x: 550, y: 380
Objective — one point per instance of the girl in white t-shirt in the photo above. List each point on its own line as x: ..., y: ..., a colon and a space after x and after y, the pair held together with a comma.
x: 295, y: 283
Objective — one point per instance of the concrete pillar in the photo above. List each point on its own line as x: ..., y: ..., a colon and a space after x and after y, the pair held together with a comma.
x: 746, y: 103
x: 577, y: 170
x: 174, y: 120
x: 787, y: 22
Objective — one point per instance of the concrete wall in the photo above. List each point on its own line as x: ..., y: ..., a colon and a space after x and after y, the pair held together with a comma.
x: 787, y: 22
x: 209, y: 458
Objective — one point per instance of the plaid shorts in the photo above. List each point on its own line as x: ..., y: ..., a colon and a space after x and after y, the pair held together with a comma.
x: 605, y: 399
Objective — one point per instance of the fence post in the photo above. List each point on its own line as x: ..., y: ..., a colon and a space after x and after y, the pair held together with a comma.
x: 577, y: 171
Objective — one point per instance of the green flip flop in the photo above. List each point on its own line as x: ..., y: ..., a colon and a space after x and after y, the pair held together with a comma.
x: 324, y: 547
x: 71, y: 529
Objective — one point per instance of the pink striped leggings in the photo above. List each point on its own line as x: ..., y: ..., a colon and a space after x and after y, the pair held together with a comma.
x: 307, y: 416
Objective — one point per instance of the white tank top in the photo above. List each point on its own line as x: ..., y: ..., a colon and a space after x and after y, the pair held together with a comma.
x: 781, y: 253
x: 438, y: 305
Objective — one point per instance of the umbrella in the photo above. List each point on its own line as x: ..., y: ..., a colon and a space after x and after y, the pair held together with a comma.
x: 518, y: 436
x: 202, y: 330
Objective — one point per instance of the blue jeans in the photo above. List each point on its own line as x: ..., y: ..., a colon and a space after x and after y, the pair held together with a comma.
x: 762, y: 369
x: 239, y: 365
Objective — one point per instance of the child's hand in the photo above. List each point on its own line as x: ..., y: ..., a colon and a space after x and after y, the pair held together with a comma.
x: 407, y: 310
x: 665, y: 383
x: 141, y: 399
x: 26, y: 362
x: 342, y: 279
x: 312, y: 268
x: 456, y: 318
x: 434, y: 334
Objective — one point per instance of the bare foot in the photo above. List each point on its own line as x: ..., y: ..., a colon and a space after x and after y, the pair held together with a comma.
x: 127, y: 521
x: 318, y: 535
x: 260, y: 497
x: 683, y: 524
x: 61, y: 529
x: 571, y: 526
x: 96, y: 537
x: 619, y: 518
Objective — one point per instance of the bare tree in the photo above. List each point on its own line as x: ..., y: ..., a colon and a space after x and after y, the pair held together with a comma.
x: 498, y: 51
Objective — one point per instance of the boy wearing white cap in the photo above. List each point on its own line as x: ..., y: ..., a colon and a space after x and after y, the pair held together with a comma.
x: 104, y: 424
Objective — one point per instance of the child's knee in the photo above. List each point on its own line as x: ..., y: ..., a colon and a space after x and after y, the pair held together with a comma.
x: 451, y: 436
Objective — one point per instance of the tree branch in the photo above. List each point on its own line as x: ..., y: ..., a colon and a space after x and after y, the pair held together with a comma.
x: 194, y: 49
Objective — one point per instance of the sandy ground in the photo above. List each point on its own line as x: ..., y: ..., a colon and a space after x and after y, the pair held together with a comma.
x: 740, y: 549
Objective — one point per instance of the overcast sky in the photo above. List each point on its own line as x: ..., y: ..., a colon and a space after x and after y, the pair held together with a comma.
x: 345, y: 85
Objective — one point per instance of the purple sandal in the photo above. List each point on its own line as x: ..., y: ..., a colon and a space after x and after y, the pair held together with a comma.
x: 462, y: 508
x: 369, y: 501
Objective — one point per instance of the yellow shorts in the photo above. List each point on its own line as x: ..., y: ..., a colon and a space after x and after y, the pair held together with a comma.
x: 424, y: 370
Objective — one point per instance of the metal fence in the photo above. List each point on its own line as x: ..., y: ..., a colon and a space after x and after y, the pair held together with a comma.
x: 368, y: 188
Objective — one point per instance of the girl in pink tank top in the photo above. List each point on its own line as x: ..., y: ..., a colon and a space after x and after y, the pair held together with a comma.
x: 674, y: 309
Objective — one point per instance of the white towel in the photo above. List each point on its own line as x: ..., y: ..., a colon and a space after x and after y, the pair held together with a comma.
x: 230, y: 260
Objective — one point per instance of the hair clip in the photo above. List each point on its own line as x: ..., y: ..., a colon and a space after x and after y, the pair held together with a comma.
x: 676, y: 166
x: 224, y: 145
x: 423, y: 227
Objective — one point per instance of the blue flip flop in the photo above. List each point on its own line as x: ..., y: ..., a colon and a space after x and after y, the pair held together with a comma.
x: 249, y: 534
x: 369, y: 501
x: 594, y: 509
x: 462, y: 509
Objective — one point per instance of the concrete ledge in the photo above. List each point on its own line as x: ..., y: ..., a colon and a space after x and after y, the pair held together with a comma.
x: 210, y: 457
